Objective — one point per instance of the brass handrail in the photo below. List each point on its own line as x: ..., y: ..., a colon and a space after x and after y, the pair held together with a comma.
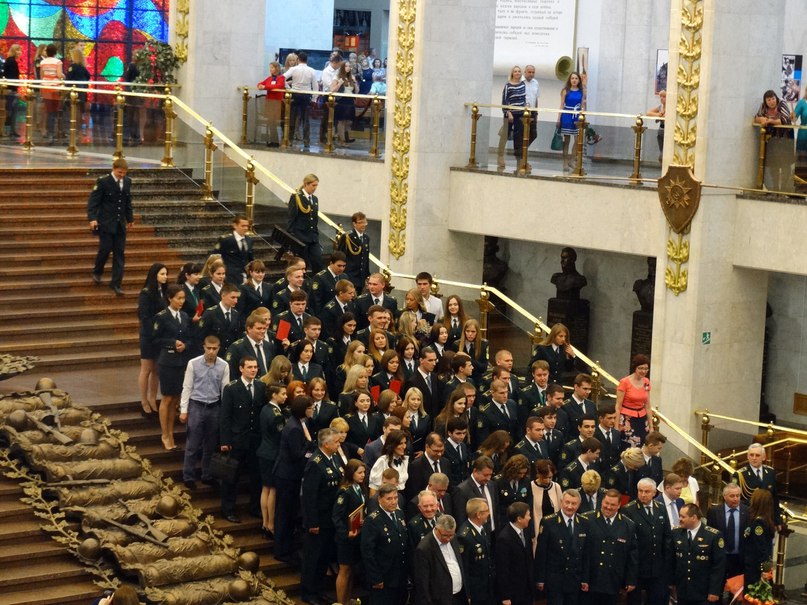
x: 766, y: 425
x: 692, y: 441
x: 316, y: 93
x: 603, y: 114
x: 792, y: 515
x: 53, y: 83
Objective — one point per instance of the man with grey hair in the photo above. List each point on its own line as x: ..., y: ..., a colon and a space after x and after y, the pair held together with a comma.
x: 477, y: 557
x: 756, y: 474
x: 320, y: 488
x: 731, y: 518
x: 384, y: 550
x: 438, y: 485
x: 561, y: 554
x: 438, y: 573
x: 653, y: 536
x: 423, y: 522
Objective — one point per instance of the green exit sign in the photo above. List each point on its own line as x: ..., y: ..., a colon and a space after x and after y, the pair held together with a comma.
x: 706, y: 338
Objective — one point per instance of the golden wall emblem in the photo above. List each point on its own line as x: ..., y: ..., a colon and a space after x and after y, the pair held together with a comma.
x: 679, y: 193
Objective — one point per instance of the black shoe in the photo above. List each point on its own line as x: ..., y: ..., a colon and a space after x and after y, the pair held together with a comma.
x: 350, y: 140
x: 233, y: 518
x: 267, y: 533
x: 96, y: 278
x: 273, y: 145
x: 190, y: 484
x: 117, y: 290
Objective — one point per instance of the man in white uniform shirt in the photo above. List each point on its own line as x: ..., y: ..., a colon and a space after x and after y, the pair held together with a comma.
x: 302, y: 78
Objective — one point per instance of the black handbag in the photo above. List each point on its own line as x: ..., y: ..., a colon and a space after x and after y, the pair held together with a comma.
x: 224, y: 467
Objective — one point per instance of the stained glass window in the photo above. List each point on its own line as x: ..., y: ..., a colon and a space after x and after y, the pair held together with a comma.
x: 111, y: 30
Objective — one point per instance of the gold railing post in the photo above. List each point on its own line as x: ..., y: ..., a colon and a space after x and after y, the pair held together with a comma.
x: 30, y: 94
x: 485, y: 307
x: 705, y: 428
x: 771, y: 435
x: 330, y: 103
x: 210, y: 147
x: 581, y: 143
x: 472, y: 163
x: 3, y: 93
x: 284, y: 144
x: 638, y: 129
x: 120, y: 100
x: 716, y: 491
x: 244, y: 114
x: 251, y: 181
x: 763, y: 141
x: 168, y: 153
x: 523, y: 165
x: 374, y: 133
x: 72, y: 150
x: 597, y: 389
x: 779, y: 566
x: 786, y: 481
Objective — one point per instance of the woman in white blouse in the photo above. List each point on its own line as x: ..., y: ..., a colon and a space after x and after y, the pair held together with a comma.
x: 393, y: 455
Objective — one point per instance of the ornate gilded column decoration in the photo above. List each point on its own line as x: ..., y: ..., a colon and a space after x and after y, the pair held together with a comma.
x: 402, y: 120
x: 679, y: 191
x: 181, y: 46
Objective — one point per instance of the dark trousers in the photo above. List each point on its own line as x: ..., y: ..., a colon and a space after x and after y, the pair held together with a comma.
x: 114, y: 243
x: 202, y: 439
x: 601, y: 598
x: 247, y: 464
x: 655, y: 592
x: 299, y: 113
x: 287, y: 504
x: 312, y: 254
x: 318, y: 552
x: 388, y: 596
x: 556, y: 596
x: 518, y: 134
x: 533, y: 129
x: 734, y: 565
x: 11, y: 111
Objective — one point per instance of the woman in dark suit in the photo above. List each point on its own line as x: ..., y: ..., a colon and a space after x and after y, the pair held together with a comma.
x: 301, y: 356
x: 363, y: 427
x: 211, y: 293
x: 454, y: 318
x: 150, y: 302
x: 758, y: 536
x: 271, y: 420
x: 472, y: 343
x: 251, y: 298
x: 347, y: 451
x: 172, y: 330
x: 512, y: 485
x: 345, y: 334
x: 390, y: 370
x: 188, y: 278
x: 556, y: 350
x: 295, y: 449
x: 420, y: 423
x: 352, y: 497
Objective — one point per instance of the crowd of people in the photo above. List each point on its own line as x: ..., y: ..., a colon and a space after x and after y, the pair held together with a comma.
x: 394, y: 440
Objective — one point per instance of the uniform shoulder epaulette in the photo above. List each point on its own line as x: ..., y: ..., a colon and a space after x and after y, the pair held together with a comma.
x: 232, y: 382
x: 632, y: 504
x: 589, y: 514
x: 712, y: 529
x: 317, y: 458
x: 330, y: 304
x: 349, y: 415
x: 573, y: 465
x: 615, y: 467
x: 465, y: 531
x: 373, y: 515
x: 240, y: 341
x: 484, y: 407
x: 521, y: 443
x: 570, y: 443
x: 526, y: 388
x: 552, y: 516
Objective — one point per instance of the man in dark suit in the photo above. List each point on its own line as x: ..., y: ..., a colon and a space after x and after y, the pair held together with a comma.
x: 378, y: 319
x: 235, y: 249
x: 456, y: 451
x: 320, y: 488
x: 438, y: 572
x: 438, y: 485
x: 323, y: 284
x: 424, y: 466
x: 654, y: 540
x: 222, y: 320
x: 608, y: 436
x: 384, y: 550
x: 425, y: 380
x: 670, y: 498
x: 303, y: 221
x: 514, y: 561
x: 373, y: 450
x: 332, y: 310
x: 614, y: 556
x: 572, y: 474
x: 553, y: 438
x: 478, y: 485
x: 500, y: 413
x: 374, y: 296
x: 699, y: 561
x: 757, y: 474
x: 591, y: 492
x: 651, y: 450
x: 579, y: 405
x: 561, y: 565
x: 239, y: 434
x: 477, y: 553
x: 295, y: 317
x: 533, y: 445
x: 355, y: 245
x: 109, y: 210
x: 422, y: 521
x: 253, y: 344
x: 731, y: 518
x: 586, y: 427
x: 295, y: 282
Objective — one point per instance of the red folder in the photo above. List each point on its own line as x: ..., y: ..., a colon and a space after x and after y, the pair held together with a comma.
x: 395, y: 385
x: 283, y: 328
x: 200, y: 308
x: 375, y: 391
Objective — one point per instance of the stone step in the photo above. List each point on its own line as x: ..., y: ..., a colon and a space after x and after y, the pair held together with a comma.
x: 80, y: 592
x: 103, y: 324
x: 44, y: 259
x: 75, y: 360
x: 52, y: 573
x: 60, y: 344
x: 58, y: 270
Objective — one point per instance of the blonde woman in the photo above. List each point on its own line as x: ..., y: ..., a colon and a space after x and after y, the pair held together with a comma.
x: 12, y: 72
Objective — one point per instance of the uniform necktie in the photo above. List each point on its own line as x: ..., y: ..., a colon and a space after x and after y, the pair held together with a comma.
x: 610, y: 438
x: 316, y: 409
x: 440, y: 506
x: 300, y: 323
x: 521, y: 537
x: 537, y: 447
x: 364, y: 421
x: 542, y: 397
x: 258, y: 290
x: 176, y: 316
x: 243, y: 244
x: 730, y: 529
x: 227, y: 316
x: 759, y: 474
x: 459, y: 451
x: 648, y: 511
x: 503, y: 408
x: 430, y: 523
x: 514, y: 486
x: 376, y: 301
x: 548, y: 436
x: 689, y: 536
x: 120, y: 184
x: 674, y: 514
x: 429, y: 382
x: 455, y: 323
x: 436, y: 467
x: 414, y: 422
x: 608, y: 521
x: 305, y: 372
x: 259, y: 356
x: 249, y: 390
x: 571, y: 528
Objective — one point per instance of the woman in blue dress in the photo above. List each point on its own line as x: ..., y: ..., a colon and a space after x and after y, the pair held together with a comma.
x: 572, y: 98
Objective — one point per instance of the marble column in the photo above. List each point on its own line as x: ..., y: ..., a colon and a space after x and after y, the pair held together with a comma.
x: 737, y: 64
x: 451, y: 62
x: 225, y: 48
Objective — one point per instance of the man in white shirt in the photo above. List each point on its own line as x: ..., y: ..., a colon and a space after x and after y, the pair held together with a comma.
x: 670, y: 497
x: 326, y: 79
x: 532, y: 91
x: 424, y: 283
x: 438, y: 570
x: 302, y: 78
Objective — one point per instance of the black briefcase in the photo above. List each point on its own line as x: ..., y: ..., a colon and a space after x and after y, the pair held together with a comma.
x: 223, y: 467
